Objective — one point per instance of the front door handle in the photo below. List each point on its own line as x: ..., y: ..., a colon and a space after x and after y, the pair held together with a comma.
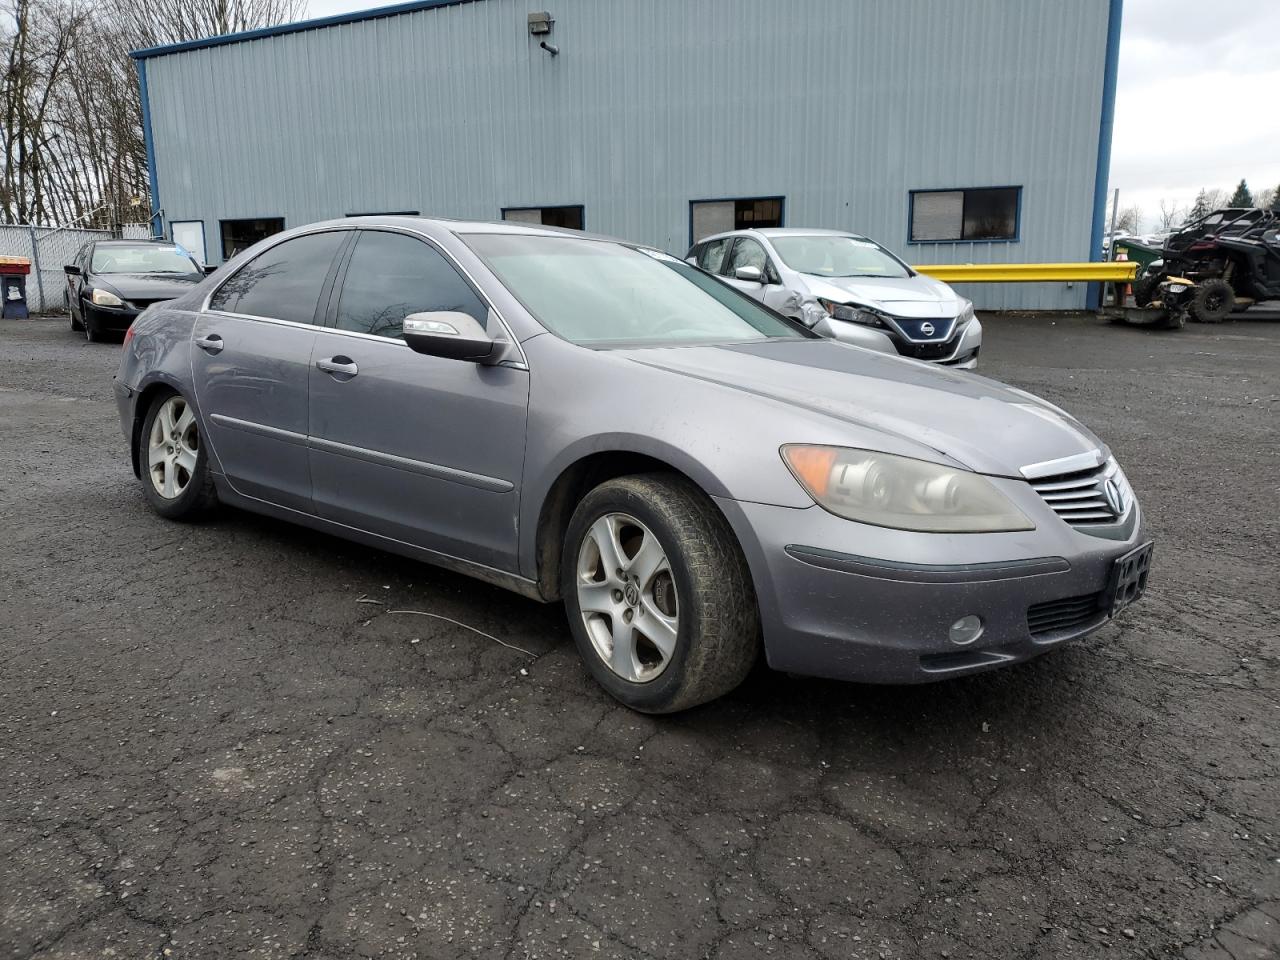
x: 341, y: 367
x: 210, y: 344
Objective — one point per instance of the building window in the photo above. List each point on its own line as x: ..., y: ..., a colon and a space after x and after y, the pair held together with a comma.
x: 240, y: 235
x: 720, y: 216
x: 568, y: 217
x: 985, y: 213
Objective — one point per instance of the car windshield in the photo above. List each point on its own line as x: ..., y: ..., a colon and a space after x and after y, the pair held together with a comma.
x: 595, y: 293
x: 140, y: 258
x: 838, y: 257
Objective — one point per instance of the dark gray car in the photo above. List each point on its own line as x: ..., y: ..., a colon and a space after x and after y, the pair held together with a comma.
x: 576, y: 418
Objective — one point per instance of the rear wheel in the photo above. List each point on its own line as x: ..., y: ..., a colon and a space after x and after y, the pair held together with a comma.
x: 658, y: 594
x: 175, y: 465
x: 1213, y: 301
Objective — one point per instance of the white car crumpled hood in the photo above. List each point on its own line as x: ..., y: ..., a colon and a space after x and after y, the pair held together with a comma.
x: 914, y: 297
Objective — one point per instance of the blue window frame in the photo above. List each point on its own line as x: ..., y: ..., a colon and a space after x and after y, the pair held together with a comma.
x: 965, y: 215
x: 707, y: 217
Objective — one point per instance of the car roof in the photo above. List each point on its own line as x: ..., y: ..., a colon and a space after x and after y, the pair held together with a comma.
x: 133, y: 243
x: 784, y: 232
x: 464, y: 226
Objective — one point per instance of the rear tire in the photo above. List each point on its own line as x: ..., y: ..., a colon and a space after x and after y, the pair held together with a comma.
x: 658, y: 526
x: 1213, y: 301
x: 174, y: 462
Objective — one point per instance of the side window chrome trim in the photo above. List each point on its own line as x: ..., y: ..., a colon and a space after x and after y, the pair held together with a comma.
x: 521, y: 364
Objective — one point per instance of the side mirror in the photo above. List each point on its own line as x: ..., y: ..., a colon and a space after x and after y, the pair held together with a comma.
x: 209, y: 268
x: 750, y: 274
x: 71, y: 270
x: 452, y: 335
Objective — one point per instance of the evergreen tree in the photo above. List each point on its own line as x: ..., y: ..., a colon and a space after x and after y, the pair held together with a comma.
x: 1200, y: 208
x: 1242, y: 197
x: 1275, y: 200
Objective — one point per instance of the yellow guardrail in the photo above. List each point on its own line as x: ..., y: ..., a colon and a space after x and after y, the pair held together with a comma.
x: 1114, y: 271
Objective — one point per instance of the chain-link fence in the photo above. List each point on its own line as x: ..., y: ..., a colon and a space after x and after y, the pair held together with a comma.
x: 51, y: 248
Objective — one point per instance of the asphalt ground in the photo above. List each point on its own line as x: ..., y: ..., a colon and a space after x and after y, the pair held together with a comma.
x: 221, y: 741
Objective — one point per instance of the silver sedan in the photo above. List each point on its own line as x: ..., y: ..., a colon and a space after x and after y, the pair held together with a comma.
x: 698, y: 479
x: 848, y: 287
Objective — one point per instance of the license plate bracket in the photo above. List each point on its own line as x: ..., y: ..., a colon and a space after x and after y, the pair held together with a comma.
x: 1128, y: 578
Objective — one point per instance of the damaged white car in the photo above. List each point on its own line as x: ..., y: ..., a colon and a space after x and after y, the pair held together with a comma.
x: 847, y: 287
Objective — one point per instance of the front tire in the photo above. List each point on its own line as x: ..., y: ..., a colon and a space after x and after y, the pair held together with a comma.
x: 658, y: 594
x: 76, y: 325
x: 175, y: 463
x: 1213, y: 301
x: 92, y: 332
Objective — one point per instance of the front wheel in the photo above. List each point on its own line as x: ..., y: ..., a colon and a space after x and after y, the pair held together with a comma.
x: 76, y: 325
x: 1213, y: 301
x: 175, y: 464
x: 92, y: 332
x: 658, y: 594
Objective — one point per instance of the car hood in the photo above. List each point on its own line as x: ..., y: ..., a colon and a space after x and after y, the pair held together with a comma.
x: 148, y: 286
x: 975, y: 422
x: 917, y: 296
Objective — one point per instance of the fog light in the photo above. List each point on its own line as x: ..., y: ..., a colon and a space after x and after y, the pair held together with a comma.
x: 966, y: 630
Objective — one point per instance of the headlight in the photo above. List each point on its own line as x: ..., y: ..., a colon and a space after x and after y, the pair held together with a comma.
x: 966, y: 314
x: 852, y: 313
x: 899, y: 492
x: 103, y: 298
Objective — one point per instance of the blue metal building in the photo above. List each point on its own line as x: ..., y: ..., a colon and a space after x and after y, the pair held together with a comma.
x: 952, y: 132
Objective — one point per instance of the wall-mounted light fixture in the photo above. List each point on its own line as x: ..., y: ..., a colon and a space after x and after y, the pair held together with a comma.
x: 540, y: 23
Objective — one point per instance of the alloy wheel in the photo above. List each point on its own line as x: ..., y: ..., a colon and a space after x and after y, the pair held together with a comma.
x: 627, y: 597
x: 173, y: 448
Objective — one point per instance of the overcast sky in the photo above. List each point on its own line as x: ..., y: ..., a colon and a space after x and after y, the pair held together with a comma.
x: 1198, y: 103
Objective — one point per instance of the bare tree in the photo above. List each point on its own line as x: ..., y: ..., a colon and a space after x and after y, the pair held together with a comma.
x: 1170, y: 215
x: 149, y: 23
x: 1128, y: 220
x: 73, y: 145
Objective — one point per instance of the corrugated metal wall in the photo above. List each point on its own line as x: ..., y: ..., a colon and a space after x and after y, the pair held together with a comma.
x: 841, y: 106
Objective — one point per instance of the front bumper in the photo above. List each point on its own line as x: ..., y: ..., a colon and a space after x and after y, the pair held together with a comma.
x: 960, y: 352
x: 852, y: 602
x: 113, y: 319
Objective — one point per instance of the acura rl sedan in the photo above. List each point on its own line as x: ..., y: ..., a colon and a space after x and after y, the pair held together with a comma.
x: 848, y: 287
x: 112, y: 281
x: 696, y: 477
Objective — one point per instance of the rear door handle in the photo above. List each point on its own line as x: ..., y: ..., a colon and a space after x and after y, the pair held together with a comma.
x: 211, y: 344
x: 340, y: 366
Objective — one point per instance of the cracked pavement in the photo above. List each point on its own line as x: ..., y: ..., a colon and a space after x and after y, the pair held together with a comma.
x: 210, y: 748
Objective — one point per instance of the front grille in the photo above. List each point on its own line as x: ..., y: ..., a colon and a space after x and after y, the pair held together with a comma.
x: 1056, y: 616
x: 913, y: 329
x: 1080, y: 497
x: 924, y: 351
x: 143, y: 304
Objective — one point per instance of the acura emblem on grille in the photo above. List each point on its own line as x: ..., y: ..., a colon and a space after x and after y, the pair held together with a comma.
x: 1111, y: 493
x: 927, y: 329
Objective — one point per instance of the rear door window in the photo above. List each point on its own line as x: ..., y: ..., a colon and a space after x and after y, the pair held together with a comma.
x: 391, y: 276
x: 282, y: 283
